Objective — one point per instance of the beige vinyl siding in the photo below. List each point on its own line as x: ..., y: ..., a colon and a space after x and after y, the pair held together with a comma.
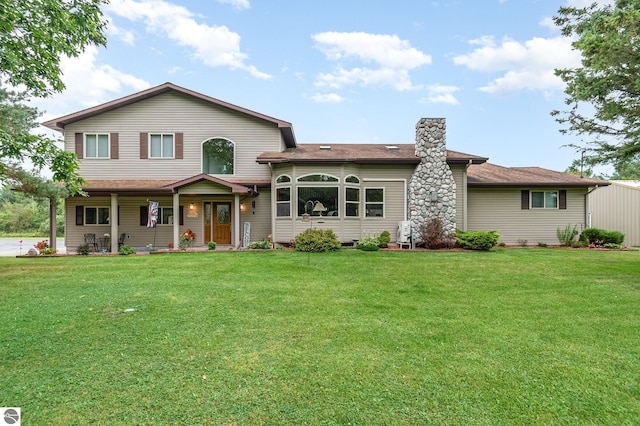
x: 259, y: 217
x: 617, y: 208
x: 500, y: 210
x: 458, y: 172
x: 175, y: 113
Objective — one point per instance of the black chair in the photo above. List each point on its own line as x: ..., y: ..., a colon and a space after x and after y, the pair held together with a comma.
x: 90, y: 240
x: 121, y: 240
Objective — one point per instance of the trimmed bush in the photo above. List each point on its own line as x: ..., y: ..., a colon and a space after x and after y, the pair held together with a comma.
x: 477, y: 240
x: 316, y: 241
x: 567, y: 235
x: 125, y: 250
x: 384, y: 238
x: 84, y: 249
x: 211, y: 245
x: 368, y: 244
x: 600, y: 237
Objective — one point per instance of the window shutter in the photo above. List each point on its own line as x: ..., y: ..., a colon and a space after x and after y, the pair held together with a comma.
x: 181, y: 215
x: 80, y: 145
x: 179, y: 146
x: 562, y: 199
x: 114, y: 138
x: 79, y: 215
x: 144, y: 146
x: 524, y: 199
x: 144, y: 215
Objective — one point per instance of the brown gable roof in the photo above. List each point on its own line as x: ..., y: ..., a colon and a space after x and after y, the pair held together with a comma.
x: 491, y: 175
x: 286, y: 128
x: 234, y: 187
x: 358, y: 153
x: 167, y: 187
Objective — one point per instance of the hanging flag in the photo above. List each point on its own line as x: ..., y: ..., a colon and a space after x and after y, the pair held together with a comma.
x: 152, y: 221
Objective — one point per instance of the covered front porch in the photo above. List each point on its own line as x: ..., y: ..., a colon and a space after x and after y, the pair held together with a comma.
x: 205, y: 207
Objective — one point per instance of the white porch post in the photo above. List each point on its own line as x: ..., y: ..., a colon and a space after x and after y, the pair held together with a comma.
x: 236, y: 221
x: 176, y: 220
x: 114, y: 223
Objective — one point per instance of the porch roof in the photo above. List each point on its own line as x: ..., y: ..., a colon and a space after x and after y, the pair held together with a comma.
x: 492, y: 175
x: 358, y: 153
x: 167, y: 187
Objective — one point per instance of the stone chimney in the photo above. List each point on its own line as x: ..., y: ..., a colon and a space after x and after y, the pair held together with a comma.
x: 432, y: 189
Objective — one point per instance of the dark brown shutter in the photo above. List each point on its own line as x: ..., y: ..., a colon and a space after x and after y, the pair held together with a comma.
x: 179, y: 145
x: 79, y: 215
x: 144, y: 146
x: 80, y: 145
x: 524, y: 199
x: 144, y: 215
x: 114, y: 145
x: 562, y: 199
x: 181, y: 215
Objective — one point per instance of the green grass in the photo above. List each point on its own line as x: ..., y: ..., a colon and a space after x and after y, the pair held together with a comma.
x: 514, y: 336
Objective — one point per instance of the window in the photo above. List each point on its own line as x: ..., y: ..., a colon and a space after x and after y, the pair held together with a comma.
x: 352, y: 179
x: 318, y: 178
x: 165, y: 216
x: 352, y: 201
x: 374, y: 202
x: 309, y: 197
x: 283, y: 202
x: 283, y: 179
x: 218, y: 157
x: 96, y: 215
x: 96, y: 145
x: 544, y: 199
x: 160, y: 146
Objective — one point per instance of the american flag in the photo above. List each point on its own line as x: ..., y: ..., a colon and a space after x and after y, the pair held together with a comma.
x: 153, y: 214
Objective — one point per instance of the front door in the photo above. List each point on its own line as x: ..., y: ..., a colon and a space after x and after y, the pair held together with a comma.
x: 221, y: 220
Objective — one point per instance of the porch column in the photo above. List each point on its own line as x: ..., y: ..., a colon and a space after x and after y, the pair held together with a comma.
x: 176, y: 221
x: 53, y: 206
x: 236, y: 221
x: 114, y: 223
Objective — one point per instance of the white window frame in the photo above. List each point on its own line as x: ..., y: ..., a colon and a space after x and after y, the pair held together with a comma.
x: 347, y: 187
x: 97, y: 215
x: 367, y: 203
x: 282, y: 202
x: 97, y: 150
x: 544, y: 200
x: 170, y: 219
x: 162, y: 156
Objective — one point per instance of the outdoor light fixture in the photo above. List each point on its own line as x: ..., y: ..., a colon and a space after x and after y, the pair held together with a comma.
x: 192, y: 206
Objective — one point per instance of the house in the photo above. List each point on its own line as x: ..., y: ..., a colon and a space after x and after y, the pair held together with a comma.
x: 617, y: 208
x: 231, y: 175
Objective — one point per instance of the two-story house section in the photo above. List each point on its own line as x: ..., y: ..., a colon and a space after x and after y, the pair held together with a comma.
x: 193, y: 154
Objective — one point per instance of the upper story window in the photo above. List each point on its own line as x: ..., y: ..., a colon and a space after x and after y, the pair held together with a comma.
x: 218, y: 157
x: 96, y: 145
x: 161, y: 145
x: 544, y: 199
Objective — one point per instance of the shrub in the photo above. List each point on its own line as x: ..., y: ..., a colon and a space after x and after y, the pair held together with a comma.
x: 522, y: 242
x: 567, y: 235
x: 84, y: 249
x: 384, y: 238
x: 541, y: 244
x: 125, y: 250
x: 612, y: 246
x: 211, y: 245
x: 600, y: 237
x: 264, y: 244
x: 316, y: 240
x: 368, y: 244
x: 433, y: 235
x: 477, y: 240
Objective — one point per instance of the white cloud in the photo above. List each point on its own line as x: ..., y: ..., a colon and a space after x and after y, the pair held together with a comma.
x: 88, y: 84
x: 328, y: 98
x: 213, y: 45
x: 437, y: 94
x: 237, y: 4
x: 125, y: 36
x: 387, y: 60
x: 529, y: 65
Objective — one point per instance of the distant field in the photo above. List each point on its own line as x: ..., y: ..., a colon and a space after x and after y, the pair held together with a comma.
x: 512, y: 336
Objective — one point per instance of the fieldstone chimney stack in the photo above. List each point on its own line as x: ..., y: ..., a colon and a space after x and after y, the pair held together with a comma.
x: 432, y: 189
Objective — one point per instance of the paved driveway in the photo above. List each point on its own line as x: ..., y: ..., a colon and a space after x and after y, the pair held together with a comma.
x: 13, y: 246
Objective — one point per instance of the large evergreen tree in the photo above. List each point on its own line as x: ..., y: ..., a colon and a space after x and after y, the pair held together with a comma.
x: 603, y: 94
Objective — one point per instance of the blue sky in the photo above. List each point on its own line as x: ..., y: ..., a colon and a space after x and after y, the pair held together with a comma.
x: 349, y: 71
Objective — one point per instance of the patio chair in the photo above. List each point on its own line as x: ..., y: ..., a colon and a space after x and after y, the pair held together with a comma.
x: 121, y: 240
x: 90, y: 240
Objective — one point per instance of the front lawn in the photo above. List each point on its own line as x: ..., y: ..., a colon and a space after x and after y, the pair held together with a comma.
x: 513, y: 336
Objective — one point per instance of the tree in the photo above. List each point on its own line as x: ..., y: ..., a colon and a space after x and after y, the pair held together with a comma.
x: 628, y: 169
x: 17, y: 144
x: 604, y: 93
x: 35, y: 34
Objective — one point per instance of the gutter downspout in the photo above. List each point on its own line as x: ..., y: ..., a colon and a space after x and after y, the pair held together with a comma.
x: 587, y: 212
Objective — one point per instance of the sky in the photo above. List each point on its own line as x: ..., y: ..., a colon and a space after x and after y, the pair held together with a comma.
x: 349, y: 71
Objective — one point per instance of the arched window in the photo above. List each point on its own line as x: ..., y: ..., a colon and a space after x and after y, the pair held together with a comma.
x: 318, y: 178
x: 283, y: 196
x: 218, y: 157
